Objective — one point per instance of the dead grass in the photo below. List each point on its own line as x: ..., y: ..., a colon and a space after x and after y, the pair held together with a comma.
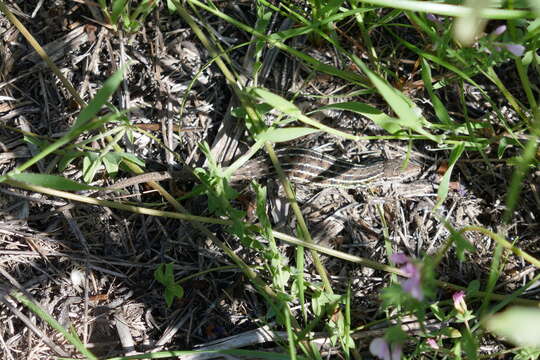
x: 119, y: 307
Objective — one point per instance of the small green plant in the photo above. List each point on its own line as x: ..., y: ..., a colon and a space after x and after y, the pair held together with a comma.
x: 321, y: 10
x: 126, y: 13
x: 165, y: 276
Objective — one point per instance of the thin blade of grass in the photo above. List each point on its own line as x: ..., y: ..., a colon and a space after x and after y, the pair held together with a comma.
x: 402, y: 106
x: 51, y: 181
x: 293, y: 111
x: 522, y: 168
x: 448, y: 9
x: 66, y: 139
x: 386, y: 122
x: 442, y: 191
x: 72, y: 338
x: 286, y: 134
x: 99, y: 100
x: 440, y: 109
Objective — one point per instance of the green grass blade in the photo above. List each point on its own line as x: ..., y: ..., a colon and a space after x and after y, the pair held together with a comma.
x: 73, y: 339
x: 442, y: 191
x: 386, y: 122
x: 66, y: 139
x: 438, y: 106
x: 286, y: 134
x: 118, y: 7
x: 51, y: 181
x: 293, y: 111
x: 449, y: 10
x: 402, y: 106
x: 522, y: 168
x: 106, y: 91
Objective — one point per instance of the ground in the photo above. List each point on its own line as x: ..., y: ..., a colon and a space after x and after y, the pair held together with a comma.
x: 93, y: 267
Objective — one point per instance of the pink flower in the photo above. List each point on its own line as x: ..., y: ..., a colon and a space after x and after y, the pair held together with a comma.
x: 413, y: 285
x: 432, y: 344
x: 399, y: 258
x: 459, y: 302
x: 380, y: 348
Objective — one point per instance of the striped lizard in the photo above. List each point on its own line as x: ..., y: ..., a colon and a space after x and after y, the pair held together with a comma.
x: 307, y: 167
x: 316, y: 169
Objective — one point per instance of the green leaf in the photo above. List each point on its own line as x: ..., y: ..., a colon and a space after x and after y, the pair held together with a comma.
x: 470, y: 347
x: 457, y: 350
x: 395, y: 334
x: 173, y: 291
x: 111, y: 162
x: 401, y: 105
x: 294, y: 112
x: 323, y: 302
x: 440, y: 109
x: 504, y: 144
x: 442, y: 191
x: 130, y: 157
x: 392, y: 295
x: 97, y: 102
x: 159, y: 274
x: 177, y: 290
x: 51, y: 181
x: 473, y: 288
x: 164, y: 275
x: 169, y: 297
x: 35, y: 141
x: 331, y: 7
x: 527, y: 353
x: 58, y: 144
x: 117, y: 9
x: 519, y: 324
x: 68, y: 158
x: 386, y: 122
x: 286, y: 134
x: 461, y: 243
x: 437, y: 312
x: 169, y: 274
x: 91, y: 165
x: 171, y: 6
x: 278, y: 102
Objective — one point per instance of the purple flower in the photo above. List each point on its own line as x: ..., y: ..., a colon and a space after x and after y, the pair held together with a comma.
x: 413, y: 285
x: 435, y: 19
x: 499, y: 30
x: 381, y: 349
x: 515, y: 49
x: 459, y: 302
